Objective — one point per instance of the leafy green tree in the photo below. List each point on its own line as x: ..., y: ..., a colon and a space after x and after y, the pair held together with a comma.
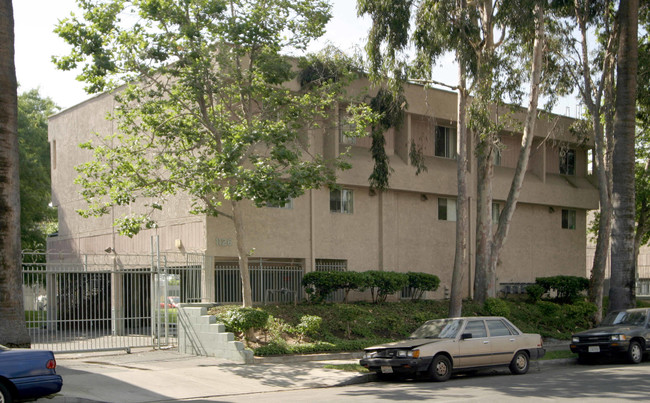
x: 210, y: 107
x: 37, y: 219
x: 491, y: 41
x: 13, y: 330
x: 591, y: 71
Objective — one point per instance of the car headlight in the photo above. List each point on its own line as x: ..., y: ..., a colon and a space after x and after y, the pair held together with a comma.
x: 575, y: 339
x: 369, y: 354
x: 402, y: 354
x: 617, y: 337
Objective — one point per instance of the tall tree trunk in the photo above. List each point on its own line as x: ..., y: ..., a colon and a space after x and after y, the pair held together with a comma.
x: 238, y: 219
x: 593, y: 99
x: 622, y: 288
x: 13, y: 329
x: 482, y: 278
x: 526, y: 144
x: 462, y: 217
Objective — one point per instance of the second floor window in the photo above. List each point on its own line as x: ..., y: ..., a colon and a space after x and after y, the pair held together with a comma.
x: 446, y: 209
x: 345, y: 127
x: 445, y: 142
x: 341, y: 201
x: 286, y: 205
x: 568, y: 162
x: 568, y: 219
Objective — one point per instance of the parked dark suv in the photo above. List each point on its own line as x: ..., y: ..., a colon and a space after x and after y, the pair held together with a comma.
x: 622, y: 333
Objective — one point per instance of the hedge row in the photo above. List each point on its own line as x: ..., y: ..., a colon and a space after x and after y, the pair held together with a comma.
x: 568, y: 289
x: 319, y: 285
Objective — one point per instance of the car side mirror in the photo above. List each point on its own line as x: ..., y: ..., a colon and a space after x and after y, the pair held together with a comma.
x: 465, y: 336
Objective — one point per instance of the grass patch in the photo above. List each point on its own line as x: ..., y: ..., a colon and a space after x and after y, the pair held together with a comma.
x: 348, y: 368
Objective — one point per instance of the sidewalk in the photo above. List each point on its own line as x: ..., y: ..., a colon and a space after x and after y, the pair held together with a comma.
x: 158, y: 376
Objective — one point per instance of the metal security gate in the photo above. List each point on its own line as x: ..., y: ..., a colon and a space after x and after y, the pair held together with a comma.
x: 272, y: 281
x: 107, y: 302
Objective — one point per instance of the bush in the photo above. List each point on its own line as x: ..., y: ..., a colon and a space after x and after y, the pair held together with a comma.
x: 244, y: 319
x: 309, y: 325
x: 535, y: 292
x: 384, y: 283
x: 567, y: 288
x: 320, y: 284
x: 496, y: 307
x: 421, y: 282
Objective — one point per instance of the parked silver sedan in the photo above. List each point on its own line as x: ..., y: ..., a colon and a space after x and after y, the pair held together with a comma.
x: 442, y: 346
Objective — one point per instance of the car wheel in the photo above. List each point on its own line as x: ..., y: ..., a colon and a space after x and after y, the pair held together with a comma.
x: 5, y: 396
x: 519, y: 364
x: 440, y: 369
x: 635, y: 353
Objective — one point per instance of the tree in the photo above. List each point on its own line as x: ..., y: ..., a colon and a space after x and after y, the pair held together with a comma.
x: 13, y: 331
x: 623, y: 281
x: 205, y: 109
x: 593, y: 75
x: 36, y: 217
x: 469, y: 30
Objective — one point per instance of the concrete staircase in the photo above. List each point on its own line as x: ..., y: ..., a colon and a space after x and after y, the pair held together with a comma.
x: 200, y: 334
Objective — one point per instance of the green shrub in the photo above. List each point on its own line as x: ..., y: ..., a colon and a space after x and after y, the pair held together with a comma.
x: 320, y: 284
x: 421, y: 282
x: 496, y: 307
x: 244, y: 319
x: 383, y: 283
x: 309, y: 325
x: 535, y: 292
x: 548, y: 309
x: 568, y: 288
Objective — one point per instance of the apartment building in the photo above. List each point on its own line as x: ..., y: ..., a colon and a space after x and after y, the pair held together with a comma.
x: 409, y: 227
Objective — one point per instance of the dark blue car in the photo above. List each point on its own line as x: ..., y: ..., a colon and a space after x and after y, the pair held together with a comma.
x: 27, y: 374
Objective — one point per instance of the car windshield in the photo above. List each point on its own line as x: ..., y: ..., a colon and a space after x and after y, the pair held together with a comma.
x: 438, y: 329
x: 624, y: 318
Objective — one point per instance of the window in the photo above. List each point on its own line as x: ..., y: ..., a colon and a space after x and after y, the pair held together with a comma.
x: 341, y: 201
x: 286, y: 205
x: 445, y: 142
x: 446, y: 209
x: 53, y: 154
x: 496, y: 213
x: 568, y: 219
x: 498, y: 328
x: 345, y: 126
x: 568, y: 162
x: 476, y: 328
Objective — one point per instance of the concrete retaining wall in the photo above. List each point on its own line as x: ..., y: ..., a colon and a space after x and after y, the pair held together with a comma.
x: 199, y: 334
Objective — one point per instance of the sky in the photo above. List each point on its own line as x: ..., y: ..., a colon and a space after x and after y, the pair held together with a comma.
x: 36, y: 43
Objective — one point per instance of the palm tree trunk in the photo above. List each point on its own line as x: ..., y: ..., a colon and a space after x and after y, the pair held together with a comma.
x: 622, y: 288
x: 13, y: 330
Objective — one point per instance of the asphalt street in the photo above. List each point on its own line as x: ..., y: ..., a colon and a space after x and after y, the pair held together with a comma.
x: 159, y: 376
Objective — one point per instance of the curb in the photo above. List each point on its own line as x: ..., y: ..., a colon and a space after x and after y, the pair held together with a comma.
x: 283, y: 359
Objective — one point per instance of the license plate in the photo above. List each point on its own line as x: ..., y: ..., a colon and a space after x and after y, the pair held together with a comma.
x: 386, y: 369
x: 594, y: 349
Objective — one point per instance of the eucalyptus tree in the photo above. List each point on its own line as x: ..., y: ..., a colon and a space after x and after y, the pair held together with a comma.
x: 13, y: 329
x: 205, y: 106
x: 592, y: 71
x: 491, y: 41
x: 623, y: 281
